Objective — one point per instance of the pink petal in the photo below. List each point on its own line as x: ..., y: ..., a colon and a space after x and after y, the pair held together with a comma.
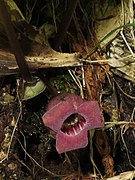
x: 66, y: 143
x: 55, y: 117
x: 69, y: 98
x: 91, y: 112
x: 59, y: 109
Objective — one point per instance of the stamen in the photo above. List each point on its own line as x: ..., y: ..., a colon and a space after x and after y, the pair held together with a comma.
x: 80, y: 127
x: 74, y: 131
x: 73, y: 125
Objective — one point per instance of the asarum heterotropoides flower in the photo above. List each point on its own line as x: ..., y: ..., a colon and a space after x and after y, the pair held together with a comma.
x: 70, y: 117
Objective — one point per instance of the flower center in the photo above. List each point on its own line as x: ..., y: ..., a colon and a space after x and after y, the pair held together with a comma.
x: 73, y: 125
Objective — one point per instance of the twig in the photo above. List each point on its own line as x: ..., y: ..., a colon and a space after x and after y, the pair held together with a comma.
x: 131, y: 97
x: 91, y: 156
x: 126, y: 149
x: 121, y: 32
x: 132, y: 115
x: 13, y: 132
x: 21, y: 162
x: 24, y: 143
x: 14, y: 43
x: 77, y: 81
x: 106, y: 61
x: 47, y: 170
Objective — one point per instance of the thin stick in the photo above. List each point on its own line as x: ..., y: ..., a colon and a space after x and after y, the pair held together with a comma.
x: 13, y: 132
x: 6, y: 20
x: 47, y: 170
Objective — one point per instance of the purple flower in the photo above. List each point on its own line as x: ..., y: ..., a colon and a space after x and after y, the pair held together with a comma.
x: 70, y: 117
